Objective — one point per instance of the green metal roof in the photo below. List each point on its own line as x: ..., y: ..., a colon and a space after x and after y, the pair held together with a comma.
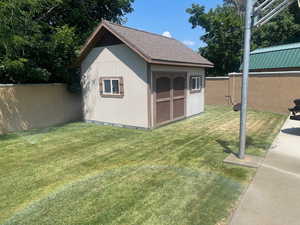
x: 283, y: 56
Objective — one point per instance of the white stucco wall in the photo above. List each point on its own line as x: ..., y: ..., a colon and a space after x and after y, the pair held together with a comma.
x: 117, y: 60
x: 195, y: 101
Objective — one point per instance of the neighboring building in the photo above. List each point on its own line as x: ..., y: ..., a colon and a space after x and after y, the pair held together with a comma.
x: 276, y: 58
x: 138, y: 79
x: 274, y: 80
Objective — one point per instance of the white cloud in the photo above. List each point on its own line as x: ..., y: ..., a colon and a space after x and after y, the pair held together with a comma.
x: 167, y: 34
x: 189, y: 43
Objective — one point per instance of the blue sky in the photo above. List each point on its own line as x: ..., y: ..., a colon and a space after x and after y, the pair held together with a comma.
x: 163, y: 16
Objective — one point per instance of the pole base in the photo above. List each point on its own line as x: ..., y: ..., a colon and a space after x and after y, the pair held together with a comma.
x: 249, y: 161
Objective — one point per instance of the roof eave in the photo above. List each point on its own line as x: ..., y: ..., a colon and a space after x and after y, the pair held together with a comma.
x: 95, y: 35
x: 128, y: 43
x: 88, y: 44
x: 184, y: 64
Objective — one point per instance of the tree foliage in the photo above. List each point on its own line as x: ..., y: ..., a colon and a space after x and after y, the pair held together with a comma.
x: 239, y: 5
x: 39, y: 38
x: 223, y: 36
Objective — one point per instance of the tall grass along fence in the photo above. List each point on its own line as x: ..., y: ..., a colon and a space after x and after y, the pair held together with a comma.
x: 29, y: 106
x: 268, y: 91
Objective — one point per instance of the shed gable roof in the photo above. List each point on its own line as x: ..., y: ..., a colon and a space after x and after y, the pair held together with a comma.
x: 283, y: 56
x: 153, y: 48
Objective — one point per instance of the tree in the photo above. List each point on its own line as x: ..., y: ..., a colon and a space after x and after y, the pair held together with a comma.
x: 223, y: 36
x: 239, y: 5
x: 39, y: 38
x: 224, y: 33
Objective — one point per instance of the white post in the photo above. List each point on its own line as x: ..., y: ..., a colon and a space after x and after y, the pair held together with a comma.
x: 244, y: 97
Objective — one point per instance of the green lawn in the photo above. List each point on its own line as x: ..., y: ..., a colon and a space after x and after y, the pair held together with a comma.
x: 88, y: 174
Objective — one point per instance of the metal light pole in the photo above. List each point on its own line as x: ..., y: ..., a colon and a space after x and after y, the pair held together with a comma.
x: 246, y: 63
x: 270, y: 9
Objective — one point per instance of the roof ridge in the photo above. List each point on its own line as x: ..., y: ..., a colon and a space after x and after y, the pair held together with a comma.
x: 283, y: 45
x: 152, y: 47
x: 277, y: 48
x: 131, y: 28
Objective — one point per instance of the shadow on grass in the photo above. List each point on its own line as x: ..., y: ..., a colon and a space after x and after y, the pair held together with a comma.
x: 226, y: 145
x: 9, y: 136
x: 232, y: 147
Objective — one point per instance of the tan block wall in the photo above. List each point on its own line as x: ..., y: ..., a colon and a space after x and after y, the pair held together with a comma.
x: 24, y: 107
x: 216, y: 91
x: 267, y: 92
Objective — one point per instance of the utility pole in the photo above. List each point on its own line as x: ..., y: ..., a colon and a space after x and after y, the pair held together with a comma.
x: 263, y: 11
x: 247, y: 46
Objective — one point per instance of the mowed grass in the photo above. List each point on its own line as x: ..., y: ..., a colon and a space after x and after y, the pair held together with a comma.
x: 88, y: 174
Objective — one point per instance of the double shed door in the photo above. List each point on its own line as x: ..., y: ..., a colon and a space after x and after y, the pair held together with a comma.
x: 170, y: 96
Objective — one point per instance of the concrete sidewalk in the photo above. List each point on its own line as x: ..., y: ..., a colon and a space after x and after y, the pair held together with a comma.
x: 273, y: 198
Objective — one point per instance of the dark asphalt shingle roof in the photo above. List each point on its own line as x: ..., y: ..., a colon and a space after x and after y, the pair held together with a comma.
x: 153, y: 47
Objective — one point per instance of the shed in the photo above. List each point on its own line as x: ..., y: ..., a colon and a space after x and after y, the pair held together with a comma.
x: 138, y: 79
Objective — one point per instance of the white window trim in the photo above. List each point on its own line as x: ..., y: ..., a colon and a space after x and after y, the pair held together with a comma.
x: 111, y: 86
x: 199, y: 82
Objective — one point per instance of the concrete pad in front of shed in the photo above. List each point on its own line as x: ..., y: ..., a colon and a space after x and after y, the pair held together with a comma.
x: 248, y: 161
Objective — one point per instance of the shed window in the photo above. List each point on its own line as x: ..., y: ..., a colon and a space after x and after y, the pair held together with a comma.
x: 107, y: 86
x: 196, y: 83
x: 111, y: 87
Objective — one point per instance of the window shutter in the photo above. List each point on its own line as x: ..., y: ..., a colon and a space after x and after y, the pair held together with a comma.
x: 121, y: 86
x: 101, y: 86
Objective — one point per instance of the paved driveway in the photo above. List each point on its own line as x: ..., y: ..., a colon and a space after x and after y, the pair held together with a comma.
x: 273, y: 198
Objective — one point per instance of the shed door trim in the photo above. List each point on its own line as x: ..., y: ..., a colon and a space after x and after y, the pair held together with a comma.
x: 171, y: 98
